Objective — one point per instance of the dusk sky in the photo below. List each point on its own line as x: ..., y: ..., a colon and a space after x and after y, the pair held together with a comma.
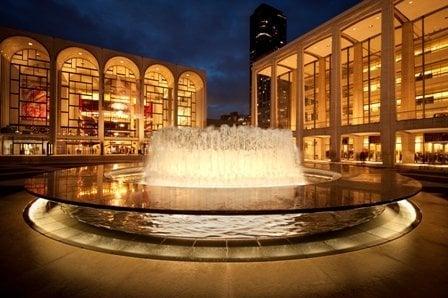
x: 210, y: 35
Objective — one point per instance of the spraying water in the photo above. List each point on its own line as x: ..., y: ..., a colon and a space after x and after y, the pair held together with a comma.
x: 223, y: 157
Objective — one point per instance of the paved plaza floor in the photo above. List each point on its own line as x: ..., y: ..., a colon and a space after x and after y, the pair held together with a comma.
x: 415, y: 265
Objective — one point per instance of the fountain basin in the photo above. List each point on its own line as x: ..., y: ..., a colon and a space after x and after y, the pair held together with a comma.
x: 116, y: 197
x: 355, y: 187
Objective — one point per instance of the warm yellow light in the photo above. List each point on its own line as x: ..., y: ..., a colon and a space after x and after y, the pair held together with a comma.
x: 177, y: 159
x: 118, y: 106
x: 30, y: 43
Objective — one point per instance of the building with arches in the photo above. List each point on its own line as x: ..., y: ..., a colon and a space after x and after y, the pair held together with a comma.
x: 370, y: 85
x: 65, y: 98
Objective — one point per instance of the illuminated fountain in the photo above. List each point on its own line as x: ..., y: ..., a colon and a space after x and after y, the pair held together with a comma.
x: 225, y: 157
x: 224, y: 187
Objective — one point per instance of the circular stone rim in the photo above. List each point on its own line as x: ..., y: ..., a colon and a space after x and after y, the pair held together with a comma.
x: 261, y: 257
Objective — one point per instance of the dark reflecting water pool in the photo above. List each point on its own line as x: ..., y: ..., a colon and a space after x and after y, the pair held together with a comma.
x: 356, y: 187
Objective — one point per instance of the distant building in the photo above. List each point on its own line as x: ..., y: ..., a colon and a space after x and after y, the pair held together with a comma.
x: 231, y: 119
x: 267, y: 34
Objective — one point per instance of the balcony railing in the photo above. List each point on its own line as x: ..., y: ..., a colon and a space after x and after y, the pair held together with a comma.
x: 420, y: 114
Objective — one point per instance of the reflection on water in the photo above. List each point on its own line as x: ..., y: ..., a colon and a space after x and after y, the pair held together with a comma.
x: 222, y: 227
x: 88, y: 185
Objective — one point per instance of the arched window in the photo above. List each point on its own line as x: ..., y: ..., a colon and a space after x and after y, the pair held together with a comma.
x: 120, y: 98
x: 156, y: 102
x: 79, y: 98
x: 29, y: 106
x: 186, y: 103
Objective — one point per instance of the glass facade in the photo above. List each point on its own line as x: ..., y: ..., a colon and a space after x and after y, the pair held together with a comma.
x: 29, y: 98
x: 365, y: 147
x: 79, y: 108
x: 347, y: 85
x: 316, y: 148
x: 371, y: 57
x: 79, y: 98
x: 286, y: 93
x: 421, y: 148
x: 186, y: 103
x: 156, y: 105
x: 414, y: 39
x: 317, y: 93
x: 284, y: 97
x: 26, y: 132
x: 97, y: 111
x: 426, y: 68
x: 120, y: 99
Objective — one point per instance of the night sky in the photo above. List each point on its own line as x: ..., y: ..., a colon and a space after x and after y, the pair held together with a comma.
x: 211, y: 35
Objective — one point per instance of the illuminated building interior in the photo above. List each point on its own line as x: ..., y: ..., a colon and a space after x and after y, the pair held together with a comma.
x: 186, y: 105
x: 79, y: 103
x: 27, y: 97
x: 361, y: 68
x: 372, y: 85
x: 158, y: 97
x: 89, y: 100
x: 422, y: 147
x: 286, y: 99
x: 316, y: 75
x: 119, y: 108
x: 365, y: 147
x: 189, y: 96
x: 316, y: 148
